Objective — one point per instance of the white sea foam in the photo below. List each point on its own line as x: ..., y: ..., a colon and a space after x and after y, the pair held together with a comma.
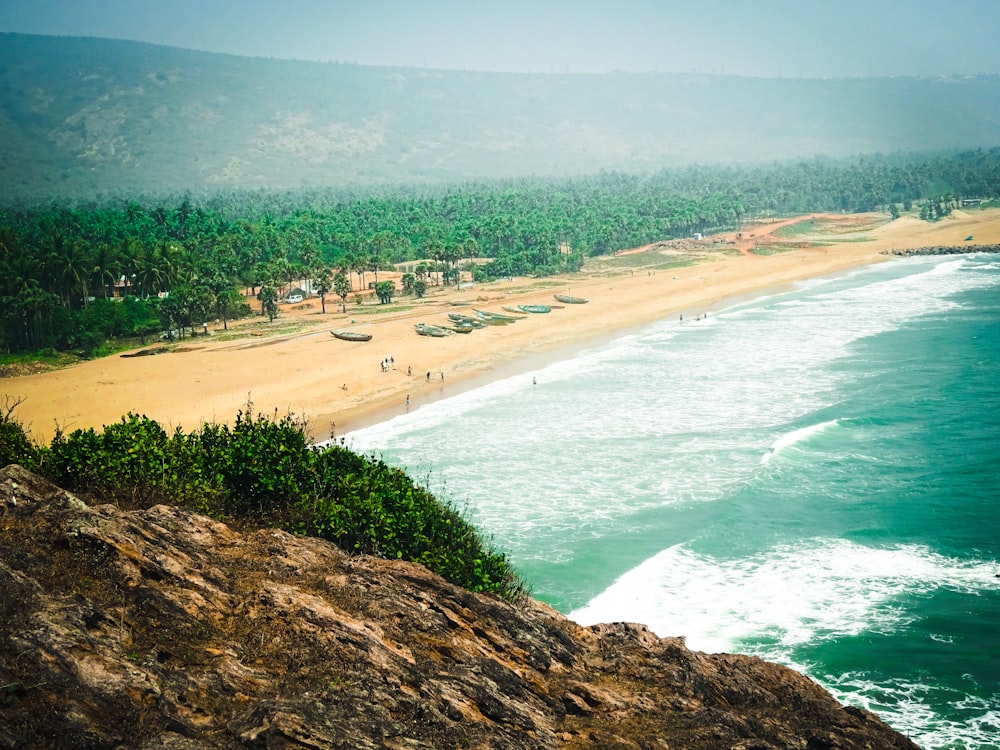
x: 811, y: 591
x: 915, y: 709
x: 794, y: 437
x: 679, y: 413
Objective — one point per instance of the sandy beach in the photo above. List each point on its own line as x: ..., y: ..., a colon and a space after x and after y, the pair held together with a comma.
x: 295, y: 365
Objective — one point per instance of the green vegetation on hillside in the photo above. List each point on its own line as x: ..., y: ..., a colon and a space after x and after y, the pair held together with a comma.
x: 86, y: 118
x: 262, y: 472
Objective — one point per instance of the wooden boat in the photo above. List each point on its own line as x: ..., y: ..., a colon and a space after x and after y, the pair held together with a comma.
x: 495, y: 321
x: 571, y: 300
x: 465, y: 320
x: 535, y: 308
x: 486, y: 315
x: 436, y: 331
x: 351, y: 335
x: 459, y: 328
x: 513, y: 310
x: 147, y: 352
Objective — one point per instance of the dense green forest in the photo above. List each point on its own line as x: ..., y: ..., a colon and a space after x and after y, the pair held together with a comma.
x: 75, y: 274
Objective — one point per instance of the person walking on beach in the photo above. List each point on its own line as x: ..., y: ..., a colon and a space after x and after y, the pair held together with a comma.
x: 428, y: 376
x: 407, y: 400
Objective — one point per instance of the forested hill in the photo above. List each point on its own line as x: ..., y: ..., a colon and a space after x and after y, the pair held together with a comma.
x: 81, y: 117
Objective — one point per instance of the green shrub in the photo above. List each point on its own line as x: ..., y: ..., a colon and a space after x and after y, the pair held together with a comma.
x: 261, y: 464
x: 15, y: 446
x: 263, y: 472
x: 133, y: 463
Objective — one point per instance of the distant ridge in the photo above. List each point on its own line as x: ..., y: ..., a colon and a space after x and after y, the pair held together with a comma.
x: 81, y: 117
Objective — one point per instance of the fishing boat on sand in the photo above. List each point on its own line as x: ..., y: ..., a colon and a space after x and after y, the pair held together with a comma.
x: 571, y: 300
x: 535, y: 308
x: 489, y: 321
x: 436, y: 331
x: 465, y: 320
x: 492, y: 318
x: 351, y: 335
x: 513, y: 310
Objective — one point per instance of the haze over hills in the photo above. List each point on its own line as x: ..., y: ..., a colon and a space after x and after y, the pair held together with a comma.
x: 82, y: 117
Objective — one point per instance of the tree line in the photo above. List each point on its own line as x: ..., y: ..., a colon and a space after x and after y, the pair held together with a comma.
x: 73, y: 275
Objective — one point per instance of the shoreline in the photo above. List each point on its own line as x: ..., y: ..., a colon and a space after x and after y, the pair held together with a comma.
x: 339, y: 386
x: 377, y: 413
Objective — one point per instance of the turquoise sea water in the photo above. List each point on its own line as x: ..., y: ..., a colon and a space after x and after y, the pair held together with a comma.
x: 811, y: 477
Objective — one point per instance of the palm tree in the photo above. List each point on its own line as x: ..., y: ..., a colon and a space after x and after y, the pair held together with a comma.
x: 469, y: 248
x: 374, y: 262
x: 359, y: 264
x: 71, y: 266
x: 148, y: 272
x: 322, y: 281
x: 342, y: 288
x: 107, y: 264
x: 309, y: 259
x: 166, y: 257
x: 434, y: 249
x: 268, y: 301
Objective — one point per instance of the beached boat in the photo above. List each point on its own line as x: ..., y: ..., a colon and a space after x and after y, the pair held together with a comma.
x: 459, y: 328
x: 436, y: 331
x: 513, y: 310
x: 535, y: 308
x: 494, y: 319
x: 351, y: 335
x: 147, y: 352
x: 487, y: 315
x: 465, y: 320
x: 571, y: 300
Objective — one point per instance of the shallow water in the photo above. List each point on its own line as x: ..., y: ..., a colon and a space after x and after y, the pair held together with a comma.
x: 809, y: 477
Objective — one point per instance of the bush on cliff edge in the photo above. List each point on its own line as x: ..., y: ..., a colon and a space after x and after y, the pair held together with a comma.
x: 263, y: 471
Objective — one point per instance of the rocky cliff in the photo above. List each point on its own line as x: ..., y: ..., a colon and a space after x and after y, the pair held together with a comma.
x: 165, y: 629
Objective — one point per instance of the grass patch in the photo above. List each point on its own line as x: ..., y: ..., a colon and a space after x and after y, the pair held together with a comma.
x: 15, y: 365
x: 646, y: 261
x: 847, y: 224
x: 379, y: 309
x: 806, y: 226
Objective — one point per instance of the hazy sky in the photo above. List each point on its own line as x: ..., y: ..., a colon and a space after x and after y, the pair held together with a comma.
x: 790, y: 38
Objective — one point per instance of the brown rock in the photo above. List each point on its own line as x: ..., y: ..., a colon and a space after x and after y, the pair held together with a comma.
x: 165, y: 629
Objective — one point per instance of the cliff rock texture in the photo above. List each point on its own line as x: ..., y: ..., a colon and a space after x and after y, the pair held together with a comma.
x: 165, y: 629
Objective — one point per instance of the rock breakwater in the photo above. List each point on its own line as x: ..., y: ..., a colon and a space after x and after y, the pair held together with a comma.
x: 944, y: 250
